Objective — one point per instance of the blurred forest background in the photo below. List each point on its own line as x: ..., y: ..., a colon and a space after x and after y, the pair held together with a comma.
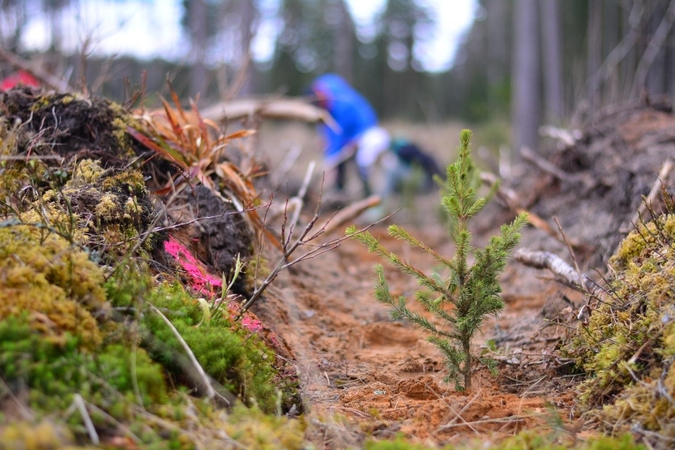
x: 522, y: 63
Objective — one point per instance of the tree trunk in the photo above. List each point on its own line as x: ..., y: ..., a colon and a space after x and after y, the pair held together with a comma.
x: 526, y: 103
x: 594, y: 54
x: 466, y: 348
x: 198, y: 75
x: 550, y: 21
x: 246, y: 30
x: 343, y: 42
x: 497, y: 49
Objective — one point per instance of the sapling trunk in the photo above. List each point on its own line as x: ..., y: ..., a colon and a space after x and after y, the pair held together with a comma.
x: 471, y: 292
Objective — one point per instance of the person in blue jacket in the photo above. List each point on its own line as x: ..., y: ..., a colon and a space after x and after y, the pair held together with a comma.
x: 357, y: 133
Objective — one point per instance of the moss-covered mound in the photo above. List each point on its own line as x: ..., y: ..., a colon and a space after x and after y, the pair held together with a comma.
x: 68, y: 125
x: 53, y: 282
x: 71, y: 340
x: 97, y: 346
x: 68, y: 164
x: 628, y: 344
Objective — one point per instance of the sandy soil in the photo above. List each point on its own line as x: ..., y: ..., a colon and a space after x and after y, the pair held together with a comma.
x: 364, y: 374
x: 383, y: 377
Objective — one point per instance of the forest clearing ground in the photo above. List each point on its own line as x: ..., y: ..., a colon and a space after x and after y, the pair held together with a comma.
x: 385, y: 378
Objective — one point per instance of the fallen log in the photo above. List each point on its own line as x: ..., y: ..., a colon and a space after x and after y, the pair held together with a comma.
x: 563, y: 272
x: 270, y: 108
x: 349, y: 213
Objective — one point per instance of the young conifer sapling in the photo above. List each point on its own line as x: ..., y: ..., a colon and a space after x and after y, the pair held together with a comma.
x: 462, y: 300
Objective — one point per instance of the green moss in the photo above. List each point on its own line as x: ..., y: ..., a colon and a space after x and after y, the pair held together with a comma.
x: 234, y: 358
x: 628, y: 345
x: 87, y: 171
x: 55, y: 372
x: 525, y: 440
x: 55, y: 282
x: 257, y: 431
x: 43, y: 435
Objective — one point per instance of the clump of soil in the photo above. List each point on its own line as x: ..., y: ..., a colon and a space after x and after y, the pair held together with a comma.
x: 608, y: 170
x: 68, y: 125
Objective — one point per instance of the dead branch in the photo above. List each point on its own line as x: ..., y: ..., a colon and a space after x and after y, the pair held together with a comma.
x: 350, y: 213
x: 51, y: 81
x: 79, y: 405
x: 564, y: 273
x: 529, y: 155
x: 210, y: 392
x: 569, y: 248
x: 566, y: 137
x: 275, y: 108
x: 301, y: 198
x: 647, y: 202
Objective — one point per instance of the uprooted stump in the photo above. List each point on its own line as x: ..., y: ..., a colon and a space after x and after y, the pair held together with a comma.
x: 602, y: 177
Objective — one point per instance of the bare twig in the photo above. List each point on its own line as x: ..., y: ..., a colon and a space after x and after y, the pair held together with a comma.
x: 117, y: 423
x: 661, y: 179
x: 285, y: 166
x: 562, y: 135
x: 547, y: 260
x: 509, y: 419
x: 78, y: 403
x: 300, y: 198
x: 26, y: 414
x: 458, y: 415
x: 569, y: 249
x: 45, y: 77
x: 349, y: 213
x: 289, y: 247
x: 529, y: 155
x: 210, y: 392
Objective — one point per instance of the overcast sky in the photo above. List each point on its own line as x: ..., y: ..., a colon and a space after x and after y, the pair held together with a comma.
x: 151, y: 28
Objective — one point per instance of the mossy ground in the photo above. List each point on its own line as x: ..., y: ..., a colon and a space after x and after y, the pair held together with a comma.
x: 628, y: 345
x: 78, y: 335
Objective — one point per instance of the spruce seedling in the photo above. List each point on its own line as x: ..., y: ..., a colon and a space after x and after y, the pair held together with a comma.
x: 470, y: 293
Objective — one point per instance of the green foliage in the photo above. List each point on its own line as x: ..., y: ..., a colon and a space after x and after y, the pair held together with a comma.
x: 400, y: 443
x: 234, y: 358
x: 471, y: 290
x: 529, y: 440
x: 628, y: 344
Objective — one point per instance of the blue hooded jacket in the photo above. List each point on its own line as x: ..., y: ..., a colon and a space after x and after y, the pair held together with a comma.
x: 351, y: 111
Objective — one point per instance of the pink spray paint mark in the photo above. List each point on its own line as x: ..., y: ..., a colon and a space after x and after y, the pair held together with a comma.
x: 204, y: 282
x: 201, y: 280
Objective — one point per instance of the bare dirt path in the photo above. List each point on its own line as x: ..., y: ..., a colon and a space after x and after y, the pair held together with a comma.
x: 383, y: 377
